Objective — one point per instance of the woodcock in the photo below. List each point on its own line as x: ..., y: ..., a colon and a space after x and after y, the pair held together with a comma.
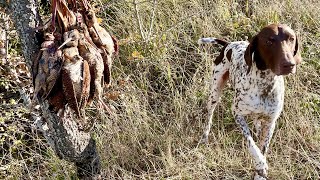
x: 92, y: 55
x: 75, y: 73
x: 104, y: 41
x: 90, y: 52
x: 46, y: 68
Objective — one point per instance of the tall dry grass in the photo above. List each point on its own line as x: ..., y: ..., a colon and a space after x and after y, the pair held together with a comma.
x: 160, y: 87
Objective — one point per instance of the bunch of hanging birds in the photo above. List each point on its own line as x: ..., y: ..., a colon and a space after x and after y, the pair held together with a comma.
x: 74, y: 63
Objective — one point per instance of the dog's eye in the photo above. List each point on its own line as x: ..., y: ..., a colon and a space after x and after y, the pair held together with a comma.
x: 270, y: 40
x: 291, y: 39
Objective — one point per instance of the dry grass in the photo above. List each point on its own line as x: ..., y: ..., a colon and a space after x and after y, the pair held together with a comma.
x: 160, y: 112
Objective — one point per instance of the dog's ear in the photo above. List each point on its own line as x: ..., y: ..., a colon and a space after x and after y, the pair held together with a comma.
x: 249, y: 51
x: 296, y: 53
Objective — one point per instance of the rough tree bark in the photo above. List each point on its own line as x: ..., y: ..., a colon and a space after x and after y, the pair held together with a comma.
x: 61, y: 133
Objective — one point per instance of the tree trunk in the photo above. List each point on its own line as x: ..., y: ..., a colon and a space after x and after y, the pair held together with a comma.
x: 61, y: 132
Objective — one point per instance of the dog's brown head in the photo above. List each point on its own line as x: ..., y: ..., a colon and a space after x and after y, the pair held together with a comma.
x: 275, y: 47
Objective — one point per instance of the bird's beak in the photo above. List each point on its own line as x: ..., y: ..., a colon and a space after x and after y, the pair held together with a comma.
x: 65, y: 42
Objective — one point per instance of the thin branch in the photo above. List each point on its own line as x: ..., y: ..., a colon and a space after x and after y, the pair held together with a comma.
x: 152, y: 18
x: 139, y: 19
x: 6, y: 27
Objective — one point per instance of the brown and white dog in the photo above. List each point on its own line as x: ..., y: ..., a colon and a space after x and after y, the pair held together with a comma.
x: 255, y: 71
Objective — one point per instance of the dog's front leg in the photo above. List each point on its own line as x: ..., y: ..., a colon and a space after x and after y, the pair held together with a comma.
x: 259, y: 159
x: 266, y: 135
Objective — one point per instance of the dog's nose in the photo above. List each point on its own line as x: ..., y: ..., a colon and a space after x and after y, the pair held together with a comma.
x: 289, y: 64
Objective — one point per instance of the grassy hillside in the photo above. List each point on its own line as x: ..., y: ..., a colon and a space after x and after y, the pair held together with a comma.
x: 159, y: 91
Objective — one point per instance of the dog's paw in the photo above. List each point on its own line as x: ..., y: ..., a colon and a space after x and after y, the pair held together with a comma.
x: 260, y: 174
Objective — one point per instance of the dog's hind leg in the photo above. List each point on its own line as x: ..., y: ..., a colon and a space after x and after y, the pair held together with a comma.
x: 219, y: 78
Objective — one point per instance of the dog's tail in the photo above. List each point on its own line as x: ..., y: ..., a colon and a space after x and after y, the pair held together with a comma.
x: 213, y: 41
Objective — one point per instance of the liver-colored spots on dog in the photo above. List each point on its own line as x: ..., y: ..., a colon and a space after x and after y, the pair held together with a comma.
x: 219, y: 58
x: 229, y: 55
x: 225, y: 76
